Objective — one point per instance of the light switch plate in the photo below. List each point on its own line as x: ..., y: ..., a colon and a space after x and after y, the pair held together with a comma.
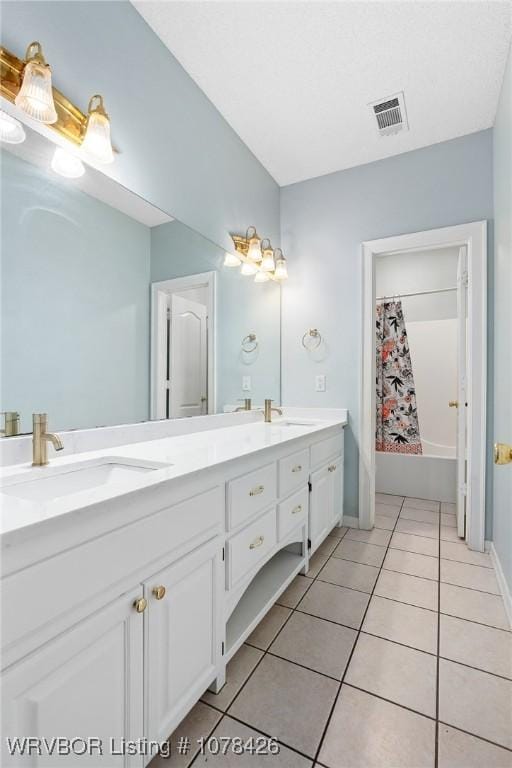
x: 320, y: 382
x: 246, y: 383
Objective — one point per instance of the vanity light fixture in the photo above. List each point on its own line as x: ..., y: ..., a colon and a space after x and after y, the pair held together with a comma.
x: 35, y: 96
x: 67, y: 165
x: 230, y: 260
x: 254, y: 243
x: 97, y: 144
x: 281, y: 271
x: 11, y: 130
x: 261, y: 276
x: 248, y: 268
x: 267, y: 260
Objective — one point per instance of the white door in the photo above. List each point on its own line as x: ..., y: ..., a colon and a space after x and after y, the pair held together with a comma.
x: 188, y: 363
x: 86, y: 683
x: 462, y: 280
x: 183, y: 643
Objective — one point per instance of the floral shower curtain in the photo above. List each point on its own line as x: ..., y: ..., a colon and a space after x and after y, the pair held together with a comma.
x: 397, y: 416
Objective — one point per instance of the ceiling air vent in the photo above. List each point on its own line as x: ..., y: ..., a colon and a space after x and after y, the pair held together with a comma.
x: 390, y: 114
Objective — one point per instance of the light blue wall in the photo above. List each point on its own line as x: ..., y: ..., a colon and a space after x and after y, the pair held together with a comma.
x: 323, y: 223
x: 502, y: 528
x: 243, y: 307
x: 75, y: 303
x: 176, y: 150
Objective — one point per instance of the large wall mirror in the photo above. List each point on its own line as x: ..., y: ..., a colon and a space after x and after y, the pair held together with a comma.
x: 113, y: 312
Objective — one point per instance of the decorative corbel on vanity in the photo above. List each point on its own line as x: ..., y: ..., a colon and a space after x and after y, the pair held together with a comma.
x: 141, y: 594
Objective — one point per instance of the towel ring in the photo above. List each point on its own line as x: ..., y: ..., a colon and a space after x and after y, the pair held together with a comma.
x: 313, y: 333
x: 249, y: 342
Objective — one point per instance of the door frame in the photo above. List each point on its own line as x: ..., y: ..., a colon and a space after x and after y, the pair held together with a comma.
x: 163, y: 289
x: 474, y: 237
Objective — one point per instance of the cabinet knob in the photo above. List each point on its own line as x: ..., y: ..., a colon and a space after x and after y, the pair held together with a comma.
x: 453, y: 404
x: 297, y: 468
x: 159, y: 592
x: 331, y: 467
x: 257, y: 490
x: 257, y: 542
x: 297, y: 509
x: 140, y: 604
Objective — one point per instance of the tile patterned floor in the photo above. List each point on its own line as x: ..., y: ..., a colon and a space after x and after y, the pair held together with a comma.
x: 394, y: 651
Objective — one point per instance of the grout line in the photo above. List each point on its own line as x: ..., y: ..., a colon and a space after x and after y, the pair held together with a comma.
x: 476, y: 736
x: 436, y: 754
x: 473, y: 621
x: 390, y: 701
x: 477, y: 669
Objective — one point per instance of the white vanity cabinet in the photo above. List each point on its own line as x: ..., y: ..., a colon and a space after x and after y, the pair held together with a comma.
x: 326, y: 484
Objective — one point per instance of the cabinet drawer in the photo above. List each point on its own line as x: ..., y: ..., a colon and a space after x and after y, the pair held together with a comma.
x: 251, y: 493
x: 292, y: 512
x: 323, y: 450
x: 293, y: 472
x: 249, y: 546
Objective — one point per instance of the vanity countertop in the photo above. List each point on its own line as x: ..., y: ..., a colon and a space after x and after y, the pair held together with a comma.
x: 181, y: 454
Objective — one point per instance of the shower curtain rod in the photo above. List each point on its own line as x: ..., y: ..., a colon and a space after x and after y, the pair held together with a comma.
x: 417, y: 293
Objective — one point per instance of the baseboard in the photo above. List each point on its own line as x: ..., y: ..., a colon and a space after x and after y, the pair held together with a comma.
x: 350, y: 522
x: 502, y: 582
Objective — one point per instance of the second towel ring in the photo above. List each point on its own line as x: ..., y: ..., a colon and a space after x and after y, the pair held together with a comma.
x: 312, y: 333
x: 249, y: 342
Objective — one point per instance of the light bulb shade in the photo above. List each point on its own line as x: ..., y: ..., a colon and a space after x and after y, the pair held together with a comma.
x: 66, y: 164
x: 97, y: 144
x: 248, y: 269
x: 267, y: 261
x: 261, y: 277
x: 254, y: 250
x: 230, y: 260
x: 281, y: 271
x: 35, y: 96
x: 11, y: 130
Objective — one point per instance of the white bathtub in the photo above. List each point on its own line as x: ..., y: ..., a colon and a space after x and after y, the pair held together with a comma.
x: 431, y: 475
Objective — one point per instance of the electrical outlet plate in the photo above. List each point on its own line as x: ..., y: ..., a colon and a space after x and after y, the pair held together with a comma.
x: 320, y: 382
x: 246, y: 383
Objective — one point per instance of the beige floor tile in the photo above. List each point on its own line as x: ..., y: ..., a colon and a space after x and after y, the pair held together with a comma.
x: 460, y: 750
x: 366, y: 732
x: 382, y: 521
x: 338, y: 533
x: 422, y: 504
x: 387, y: 669
x: 448, y: 533
x: 414, y: 527
x: 448, y: 508
x: 348, y: 574
x: 360, y: 552
x: 199, y: 723
x: 407, y: 589
x: 376, y: 536
x: 327, y: 601
x: 268, y: 627
x: 474, y: 606
x: 451, y: 550
x: 316, y: 563
x: 475, y: 702
x: 402, y: 623
x: 419, y: 544
x: 232, y: 729
x: 421, y: 515
x: 295, y: 591
x: 469, y: 576
x: 389, y: 499
x: 237, y: 672
x: 287, y: 701
x: 409, y: 562
x: 449, y: 520
x: 474, y: 644
x: 387, y: 510
x: 317, y: 644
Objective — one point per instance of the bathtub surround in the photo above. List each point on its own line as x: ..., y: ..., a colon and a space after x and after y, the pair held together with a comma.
x: 448, y: 183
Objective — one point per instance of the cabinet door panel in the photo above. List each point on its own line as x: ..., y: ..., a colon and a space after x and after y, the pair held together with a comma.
x: 86, y: 683
x: 182, y: 638
x: 336, y: 505
x: 320, y: 506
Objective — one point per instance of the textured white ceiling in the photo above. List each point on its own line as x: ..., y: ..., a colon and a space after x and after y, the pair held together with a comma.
x: 294, y: 78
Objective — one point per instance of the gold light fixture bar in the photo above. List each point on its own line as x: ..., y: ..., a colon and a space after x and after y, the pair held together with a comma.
x: 71, y: 121
x: 241, y: 244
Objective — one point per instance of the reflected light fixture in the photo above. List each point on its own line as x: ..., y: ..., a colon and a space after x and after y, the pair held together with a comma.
x: 248, y: 268
x: 281, y: 271
x: 96, y: 143
x: 35, y: 96
x: 254, y: 244
x: 267, y: 259
x: 261, y: 276
x: 230, y: 260
x: 11, y: 130
x: 66, y: 164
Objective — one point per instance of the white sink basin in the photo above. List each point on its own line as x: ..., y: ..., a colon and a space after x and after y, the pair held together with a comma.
x: 48, y: 483
x: 296, y: 423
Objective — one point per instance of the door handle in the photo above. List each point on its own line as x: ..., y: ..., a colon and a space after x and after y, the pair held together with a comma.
x: 502, y: 453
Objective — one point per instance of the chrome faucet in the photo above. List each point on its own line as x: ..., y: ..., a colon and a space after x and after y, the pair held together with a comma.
x: 268, y: 411
x: 40, y: 439
x: 11, y: 423
x: 246, y: 406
